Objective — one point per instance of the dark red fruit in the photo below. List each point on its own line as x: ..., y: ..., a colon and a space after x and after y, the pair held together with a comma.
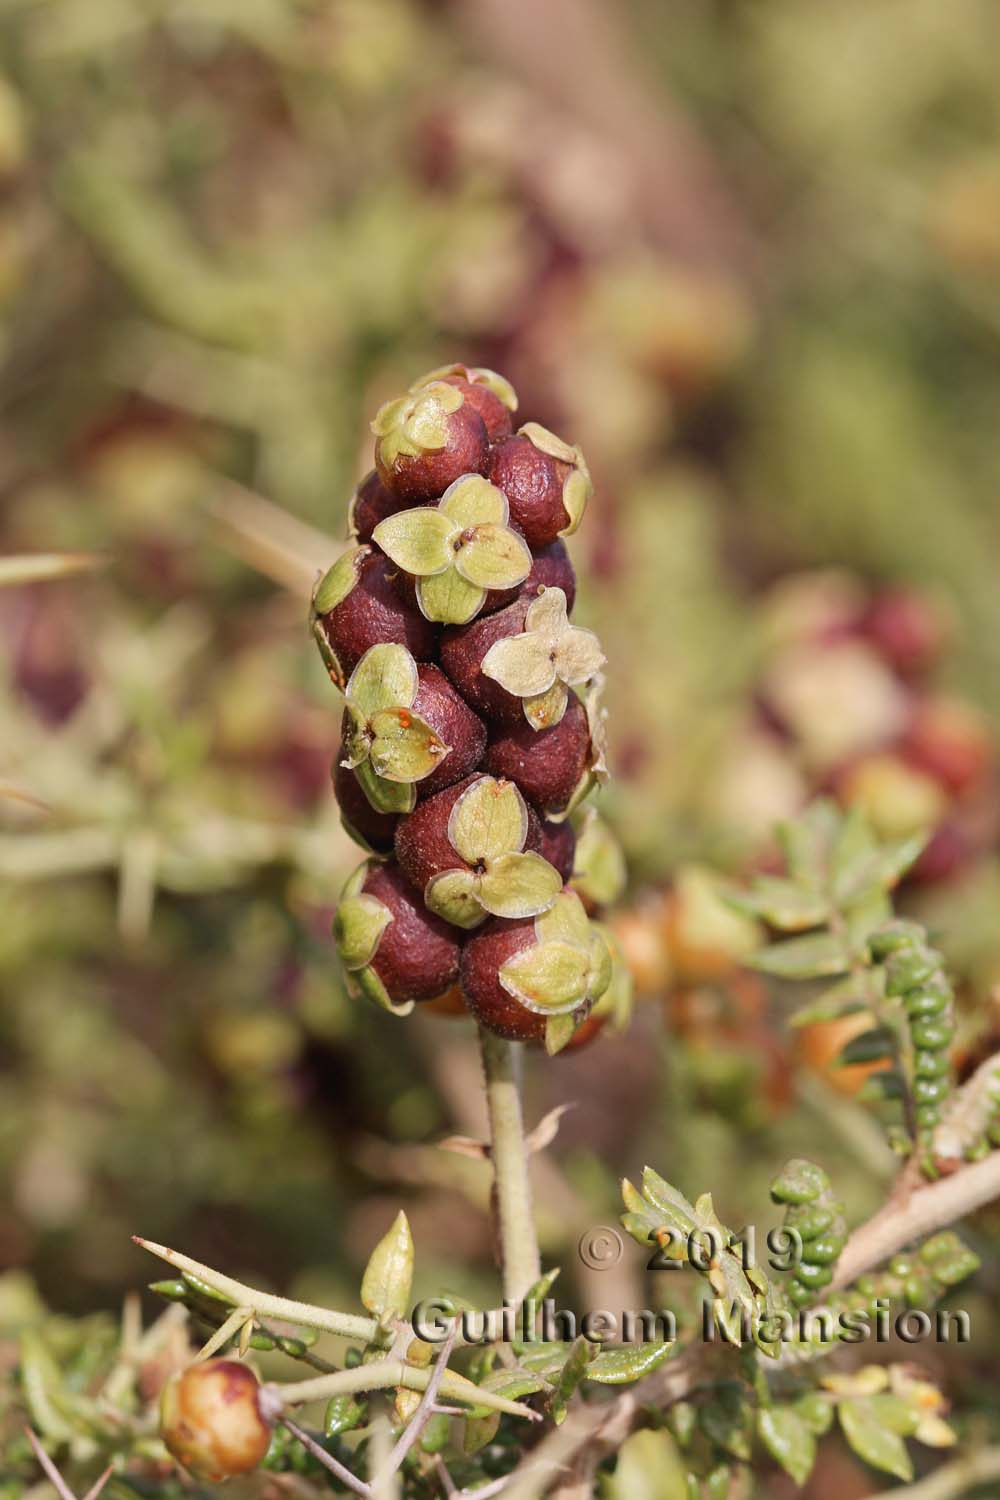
x: 588, y: 1031
x: 558, y: 846
x: 374, y: 612
x: 462, y: 650
x: 440, y: 706
x: 422, y: 477
x: 951, y: 742
x: 365, y: 825
x: 906, y: 629
x: 533, y: 483
x: 483, y: 956
x: 371, y: 504
x: 417, y: 957
x: 423, y: 847
x: 551, y: 569
x: 496, y: 417
x: 547, y: 764
x: 452, y: 721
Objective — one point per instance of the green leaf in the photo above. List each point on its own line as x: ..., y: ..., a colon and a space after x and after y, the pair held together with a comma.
x: 806, y: 842
x: 418, y: 540
x: 839, y: 1000
x: 871, y: 1046
x: 358, y: 925
x: 788, y: 1440
x: 573, y: 1371
x: 488, y: 820
x: 454, y: 895
x: 385, y: 1287
x: 812, y: 957
x: 385, y: 677
x: 472, y: 501
x: 493, y: 557
x: 782, y: 903
x: 871, y: 1440
x: 728, y: 1421
x: 343, y: 1413
x: 547, y: 977
x: 630, y: 1362
x: 546, y: 710
x: 649, y: 1467
x: 519, y: 885
x: 448, y: 599
x: 338, y: 581
x: 881, y: 867
x: 894, y: 1412
x: 816, y: 1410
x: 678, y: 1213
x: 404, y: 747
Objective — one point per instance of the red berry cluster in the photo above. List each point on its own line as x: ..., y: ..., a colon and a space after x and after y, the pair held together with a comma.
x: 472, y: 726
x: 849, y: 688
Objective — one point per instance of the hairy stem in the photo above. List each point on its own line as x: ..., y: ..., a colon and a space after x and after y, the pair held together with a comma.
x: 518, y: 1245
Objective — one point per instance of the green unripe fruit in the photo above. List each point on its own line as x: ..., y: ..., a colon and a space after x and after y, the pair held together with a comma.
x: 813, y: 1276
x: 932, y: 1035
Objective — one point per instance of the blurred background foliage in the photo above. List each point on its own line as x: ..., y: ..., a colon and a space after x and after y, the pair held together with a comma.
x: 749, y: 257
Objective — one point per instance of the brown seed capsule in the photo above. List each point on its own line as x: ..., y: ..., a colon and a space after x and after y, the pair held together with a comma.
x: 371, y: 504
x: 371, y: 613
x: 427, y: 440
x: 417, y: 956
x: 546, y: 764
x: 533, y: 482
x: 463, y: 648
x: 551, y: 569
x: 371, y: 829
x: 484, y: 954
x: 211, y: 1419
x: 558, y: 846
x: 423, y: 847
x: 496, y: 417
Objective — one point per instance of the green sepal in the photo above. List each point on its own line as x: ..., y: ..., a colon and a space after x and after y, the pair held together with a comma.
x: 404, y: 747
x: 385, y: 796
x: 447, y: 599
x: 417, y: 422
x: 599, y: 871
x: 488, y: 820
x: 547, y: 978
x: 453, y: 896
x: 559, y: 1032
x: 518, y: 885
x: 493, y: 557
x: 338, y: 581
x: 417, y: 540
x: 385, y: 677
x: 358, y: 925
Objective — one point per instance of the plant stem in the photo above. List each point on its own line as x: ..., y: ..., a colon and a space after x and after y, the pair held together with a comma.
x: 519, y: 1258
